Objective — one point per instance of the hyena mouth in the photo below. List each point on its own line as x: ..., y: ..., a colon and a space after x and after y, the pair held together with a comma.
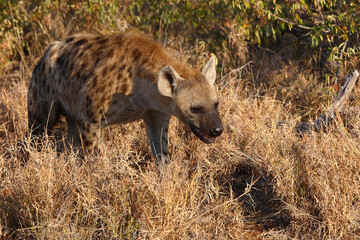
x: 204, y: 138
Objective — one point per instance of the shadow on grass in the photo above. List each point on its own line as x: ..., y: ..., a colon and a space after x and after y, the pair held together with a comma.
x: 251, y: 186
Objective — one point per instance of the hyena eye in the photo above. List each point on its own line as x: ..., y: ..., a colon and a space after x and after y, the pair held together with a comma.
x: 196, y: 109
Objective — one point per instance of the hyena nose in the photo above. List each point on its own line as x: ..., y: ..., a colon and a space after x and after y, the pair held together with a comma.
x: 217, y: 131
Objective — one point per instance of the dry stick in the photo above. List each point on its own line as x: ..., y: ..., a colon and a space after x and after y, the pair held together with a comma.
x: 335, y: 108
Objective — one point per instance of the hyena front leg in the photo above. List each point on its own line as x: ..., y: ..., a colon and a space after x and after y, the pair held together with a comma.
x: 157, y: 124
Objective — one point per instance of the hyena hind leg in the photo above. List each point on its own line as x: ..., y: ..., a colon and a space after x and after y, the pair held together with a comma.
x: 83, y: 135
x: 43, y: 116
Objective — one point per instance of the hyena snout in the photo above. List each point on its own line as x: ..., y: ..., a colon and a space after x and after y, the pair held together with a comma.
x: 216, y: 126
x: 217, y: 130
x: 209, y: 129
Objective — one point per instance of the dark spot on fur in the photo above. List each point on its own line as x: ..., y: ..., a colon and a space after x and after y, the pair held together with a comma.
x: 104, y: 72
x: 95, y: 82
x: 130, y: 74
x: 80, y: 42
x: 94, y: 134
x: 97, y: 60
x: 78, y: 75
x: 136, y: 54
x: 110, y: 53
x: 118, y: 88
x: 145, y: 60
x: 88, y: 105
x: 124, y: 87
x: 86, y: 127
x: 122, y: 67
x: 98, y: 49
x: 119, y: 76
x: 80, y: 54
x: 98, y: 38
x: 105, y: 98
x: 112, y: 68
x: 130, y: 71
x: 101, y: 88
x: 61, y: 60
x: 89, y: 113
x: 83, y: 137
x: 102, y: 41
x: 69, y: 39
x: 87, y: 47
x: 119, y: 39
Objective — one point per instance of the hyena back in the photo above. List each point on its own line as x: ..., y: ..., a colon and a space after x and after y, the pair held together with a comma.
x: 97, y: 80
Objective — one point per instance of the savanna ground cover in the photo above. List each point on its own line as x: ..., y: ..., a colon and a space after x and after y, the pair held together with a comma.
x: 277, y: 61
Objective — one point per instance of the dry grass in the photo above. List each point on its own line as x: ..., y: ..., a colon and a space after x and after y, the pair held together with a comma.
x: 257, y: 181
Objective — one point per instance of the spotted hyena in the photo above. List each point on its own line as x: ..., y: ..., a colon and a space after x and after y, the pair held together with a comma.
x: 97, y: 80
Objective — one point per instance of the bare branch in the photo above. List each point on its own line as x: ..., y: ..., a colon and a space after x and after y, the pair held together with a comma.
x: 335, y: 108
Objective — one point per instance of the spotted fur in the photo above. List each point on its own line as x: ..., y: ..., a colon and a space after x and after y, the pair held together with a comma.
x: 98, y: 80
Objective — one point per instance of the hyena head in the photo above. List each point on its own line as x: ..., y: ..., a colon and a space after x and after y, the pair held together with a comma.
x: 194, y: 99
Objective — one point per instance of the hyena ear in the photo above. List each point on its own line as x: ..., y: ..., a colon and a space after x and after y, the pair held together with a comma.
x: 209, y: 70
x: 168, y: 81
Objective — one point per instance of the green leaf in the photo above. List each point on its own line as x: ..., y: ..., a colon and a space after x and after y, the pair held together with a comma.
x: 314, y: 41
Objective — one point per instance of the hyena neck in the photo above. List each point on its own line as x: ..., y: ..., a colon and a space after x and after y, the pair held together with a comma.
x: 151, y: 99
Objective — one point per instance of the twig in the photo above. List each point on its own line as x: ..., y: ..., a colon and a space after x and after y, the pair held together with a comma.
x: 290, y: 23
x: 235, y: 70
x: 335, y: 108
